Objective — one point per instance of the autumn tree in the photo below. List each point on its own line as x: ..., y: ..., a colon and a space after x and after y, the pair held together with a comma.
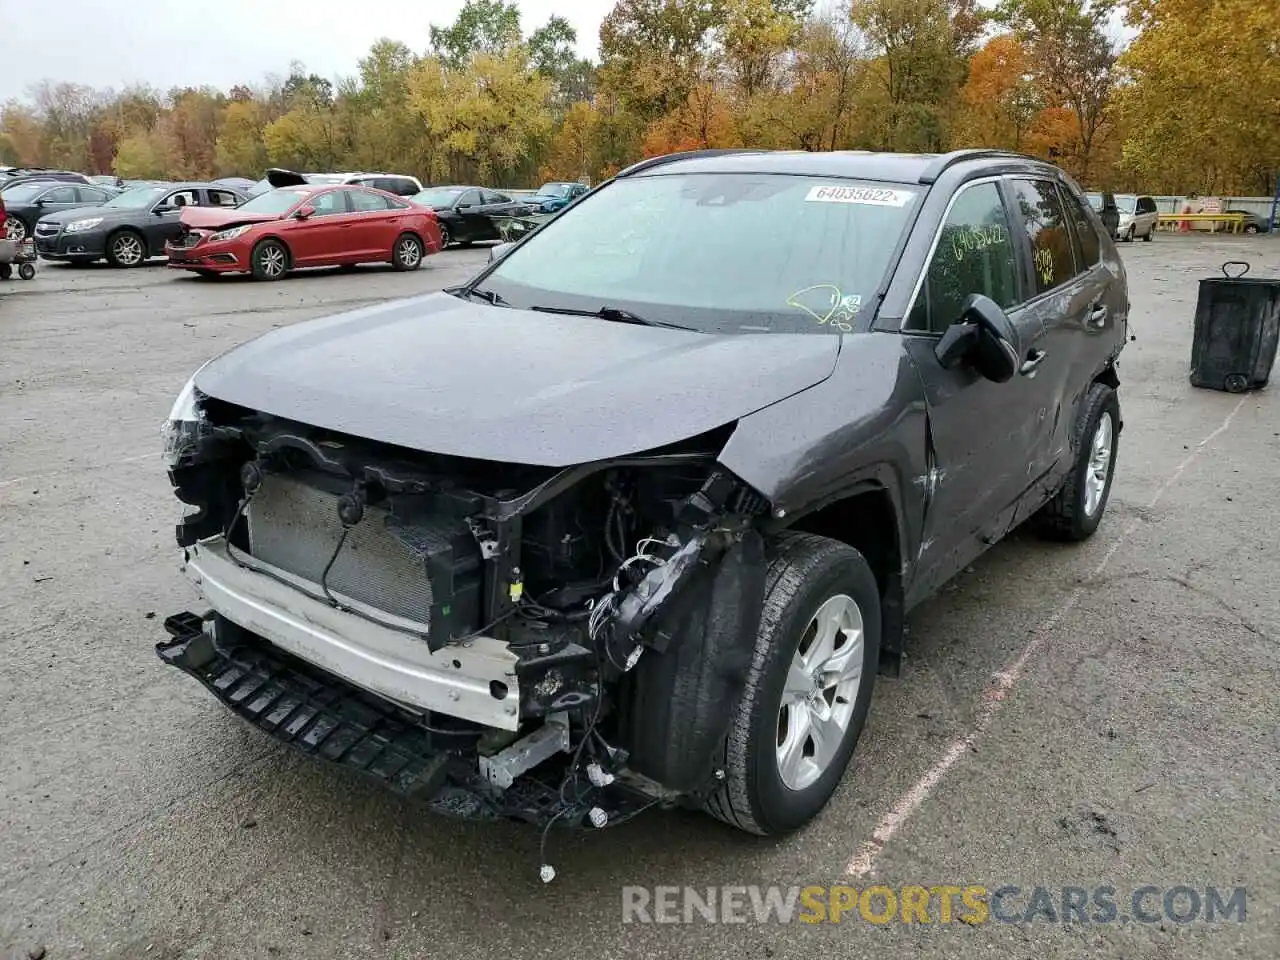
x: 922, y: 47
x: 1202, y: 95
x: 654, y: 52
x: 1073, y: 60
x: 1001, y: 99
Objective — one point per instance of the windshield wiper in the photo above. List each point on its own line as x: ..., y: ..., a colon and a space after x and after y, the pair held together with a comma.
x: 488, y: 296
x: 613, y: 315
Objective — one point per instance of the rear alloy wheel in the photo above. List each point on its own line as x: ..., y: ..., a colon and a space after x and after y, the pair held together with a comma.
x: 1076, y: 510
x: 407, y: 254
x: 808, y: 690
x: 126, y: 249
x: 15, y: 229
x: 270, y: 260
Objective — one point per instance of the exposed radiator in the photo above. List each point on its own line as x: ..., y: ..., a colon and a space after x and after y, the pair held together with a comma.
x: 295, y: 527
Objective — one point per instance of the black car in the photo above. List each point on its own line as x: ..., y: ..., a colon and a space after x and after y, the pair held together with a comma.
x: 30, y: 200
x: 636, y: 513
x: 18, y: 175
x: 468, y: 214
x: 129, y: 228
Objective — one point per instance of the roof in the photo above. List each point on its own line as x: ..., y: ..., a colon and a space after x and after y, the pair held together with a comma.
x: 851, y: 164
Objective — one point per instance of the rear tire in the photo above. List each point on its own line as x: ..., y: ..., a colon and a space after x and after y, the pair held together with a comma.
x: 270, y: 260
x: 1150, y: 235
x: 772, y: 787
x: 1076, y: 510
x: 407, y: 252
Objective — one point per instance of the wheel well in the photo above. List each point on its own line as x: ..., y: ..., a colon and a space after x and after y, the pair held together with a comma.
x: 416, y: 235
x: 146, y: 247
x: 868, y: 523
x: 1109, y: 377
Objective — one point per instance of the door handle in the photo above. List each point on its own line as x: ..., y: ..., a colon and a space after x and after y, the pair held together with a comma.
x: 1034, y: 359
x: 1098, y: 314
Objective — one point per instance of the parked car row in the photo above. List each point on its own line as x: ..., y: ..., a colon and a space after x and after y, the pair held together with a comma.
x: 265, y: 228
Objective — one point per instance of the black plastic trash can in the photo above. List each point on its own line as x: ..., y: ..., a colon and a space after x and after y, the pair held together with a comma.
x: 1236, y: 331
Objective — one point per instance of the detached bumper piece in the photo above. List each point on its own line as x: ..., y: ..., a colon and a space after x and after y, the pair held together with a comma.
x: 316, y: 714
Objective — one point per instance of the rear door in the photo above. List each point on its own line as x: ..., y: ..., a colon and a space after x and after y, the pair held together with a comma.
x: 376, y: 224
x: 981, y: 433
x: 61, y: 197
x: 1063, y: 288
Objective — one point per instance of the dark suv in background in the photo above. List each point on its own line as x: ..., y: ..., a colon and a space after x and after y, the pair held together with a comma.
x: 627, y: 518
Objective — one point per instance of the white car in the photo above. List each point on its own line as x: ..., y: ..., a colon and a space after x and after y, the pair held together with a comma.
x: 1138, y: 217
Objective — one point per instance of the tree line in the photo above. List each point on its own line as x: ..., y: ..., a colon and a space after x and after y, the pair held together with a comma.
x: 1188, y: 105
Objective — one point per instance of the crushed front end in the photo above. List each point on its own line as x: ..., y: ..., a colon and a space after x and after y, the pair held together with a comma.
x: 554, y: 645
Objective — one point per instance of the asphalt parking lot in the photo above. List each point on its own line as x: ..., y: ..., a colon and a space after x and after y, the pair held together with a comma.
x: 1100, y: 715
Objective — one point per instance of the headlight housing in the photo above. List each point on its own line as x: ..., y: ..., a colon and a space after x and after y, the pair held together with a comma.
x: 79, y: 226
x: 186, y: 419
x: 230, y: 234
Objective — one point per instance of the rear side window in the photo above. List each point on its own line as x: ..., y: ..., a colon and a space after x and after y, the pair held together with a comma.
x: 223, y: 198
x: 363, y: 201
x: 1040, y: 213
x: 974, y: 254
x: 1146, y: 205
x: 60, y: 195
x: 1088, y: 246
x: 91, y: 195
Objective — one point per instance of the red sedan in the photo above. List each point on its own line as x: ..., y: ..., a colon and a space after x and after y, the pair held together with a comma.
x: 304, y: 226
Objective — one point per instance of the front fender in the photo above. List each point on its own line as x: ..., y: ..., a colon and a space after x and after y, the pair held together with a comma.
x: 864, y: 427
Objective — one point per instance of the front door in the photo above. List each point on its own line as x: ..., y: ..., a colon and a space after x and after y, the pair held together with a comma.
x: 982, y: 434
x: 472, y: 220
x: 164, y: 224
x: 322, y: 237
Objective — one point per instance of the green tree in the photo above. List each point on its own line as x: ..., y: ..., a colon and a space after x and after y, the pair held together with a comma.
x: 482, y: 26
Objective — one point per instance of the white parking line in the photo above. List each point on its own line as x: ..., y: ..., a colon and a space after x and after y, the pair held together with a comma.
x: 92, y: 466
x: 1003, y: 684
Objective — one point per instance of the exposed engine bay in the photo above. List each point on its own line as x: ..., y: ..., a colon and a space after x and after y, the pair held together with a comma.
x: 553, y: 645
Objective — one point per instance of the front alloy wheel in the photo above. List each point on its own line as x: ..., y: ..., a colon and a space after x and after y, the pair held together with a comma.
x: 818, y: 696
x: 808, y: 689
x: 126, y: 250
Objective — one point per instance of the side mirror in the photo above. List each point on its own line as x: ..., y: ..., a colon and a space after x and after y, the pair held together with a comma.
x: 163, y: 209
x: 983, y: 336
x: 304, y: 211
x: 463, y: 206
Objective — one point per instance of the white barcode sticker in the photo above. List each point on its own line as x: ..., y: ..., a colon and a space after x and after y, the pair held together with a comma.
x: 877, y: 196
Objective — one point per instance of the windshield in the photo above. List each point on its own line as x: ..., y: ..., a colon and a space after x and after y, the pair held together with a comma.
x: 22, y: 192
x: 723, y: 253
x: 554, y: 190
x: 274, y: 201
x: 442, y: 197
x: 138, y: 197
x: 1127, y: 204
x: 1095, y: 201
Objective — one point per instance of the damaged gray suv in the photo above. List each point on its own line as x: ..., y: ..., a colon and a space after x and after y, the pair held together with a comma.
x: 634, y: 516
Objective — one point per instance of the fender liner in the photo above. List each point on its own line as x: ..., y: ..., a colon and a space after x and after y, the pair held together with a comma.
x: 683, y: 698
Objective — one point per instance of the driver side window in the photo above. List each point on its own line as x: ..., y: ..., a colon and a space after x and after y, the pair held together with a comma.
x: 471, y: 196
x: 974, y: 254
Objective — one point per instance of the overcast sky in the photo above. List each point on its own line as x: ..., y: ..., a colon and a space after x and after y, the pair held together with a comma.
x: 174, y: 43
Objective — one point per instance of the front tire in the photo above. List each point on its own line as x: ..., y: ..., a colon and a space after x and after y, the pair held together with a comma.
x: 126, y: 248
x: 808, y: 690
x: 407, y: 252
x: 1076, y: 510
x: 445, y: 239
x: 270, y: 260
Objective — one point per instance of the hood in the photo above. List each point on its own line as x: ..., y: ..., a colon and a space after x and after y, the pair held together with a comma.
x: 279, y: 177
x: 108, y: 214
x: 221, y: 216
x: 449, y: 376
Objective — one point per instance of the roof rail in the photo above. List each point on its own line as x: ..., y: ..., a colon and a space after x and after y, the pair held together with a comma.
x: 937, y: 166
x: 683, y: 155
